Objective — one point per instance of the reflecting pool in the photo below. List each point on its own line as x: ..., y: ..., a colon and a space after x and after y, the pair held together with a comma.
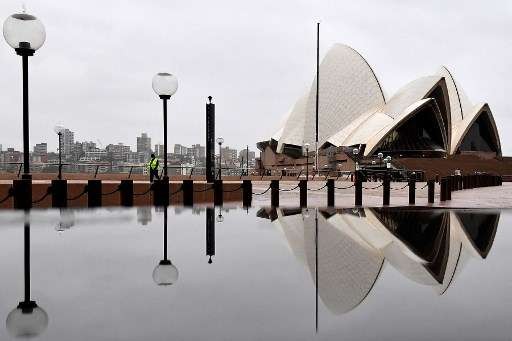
x: 221, y: 273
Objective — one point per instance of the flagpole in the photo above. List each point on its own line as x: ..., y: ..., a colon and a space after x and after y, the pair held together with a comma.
x: 317, y: 89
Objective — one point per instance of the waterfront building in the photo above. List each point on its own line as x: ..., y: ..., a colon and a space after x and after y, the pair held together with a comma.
x: 430, y: 117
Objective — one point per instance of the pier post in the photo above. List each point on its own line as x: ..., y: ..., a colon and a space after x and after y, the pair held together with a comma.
x: 386, y: 190
x: 59, y: 193
x: 412, y: 189
x: 94, y: 193
x: 22, y: 193
x: 274, y: 193
x: 247, y: 193
x: 188, y: 192
x: 218, y: 195
x: 330, y: 192
x: 161, y: 192
x: 431, y: 191
x: 443, y: 184
x: 303, y: 186
x: 450, y: 187
x: 126, y: 192
x: 358, y: 186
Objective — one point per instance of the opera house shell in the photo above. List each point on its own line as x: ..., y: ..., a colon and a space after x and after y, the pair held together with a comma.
x: 431, y: 116
x: 347, y: 250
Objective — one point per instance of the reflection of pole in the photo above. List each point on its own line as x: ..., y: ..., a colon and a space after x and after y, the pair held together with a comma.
x: 210, y: 233
x: 316, y: 269
x: 165, y: 233
x: 27, y: 258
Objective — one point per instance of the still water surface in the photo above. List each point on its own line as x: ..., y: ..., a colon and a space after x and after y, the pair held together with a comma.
x: 382, y: 274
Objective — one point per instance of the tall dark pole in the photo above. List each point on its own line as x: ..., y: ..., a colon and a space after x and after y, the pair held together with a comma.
x: 247, y: 161
x: 210, y: 140
x: 27, y: 257
x: 26, y: 155
x: 220, y: 161
x: 317, y: 88
x: 210, y: 233
x: 316, y: 269
x: 307, y: 163
x: 60, y: 155
x: 165, y: 233
x: 164, y: 99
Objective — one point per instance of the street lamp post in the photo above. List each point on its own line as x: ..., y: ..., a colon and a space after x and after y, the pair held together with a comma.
x: 25, y: 34
x: 306, y: 145
x: 220, y: 141
x: 165, y: 273
x: 59, y: 129
x: 28, y: 319
x: 355, y: 151
x: 165, y: 85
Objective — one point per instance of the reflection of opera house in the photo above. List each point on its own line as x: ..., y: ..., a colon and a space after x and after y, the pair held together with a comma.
x: 429, y: 118
x: 426, y: 246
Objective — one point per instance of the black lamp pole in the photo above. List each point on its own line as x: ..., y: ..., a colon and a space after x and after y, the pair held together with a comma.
x: 247, y: 161
x: 165, y: 234
x: 60, y: 155
x: 165, y: 98
x: 25, y: 51
x: 307, y: 163
x: 27, y: 259
x: 220, y: 161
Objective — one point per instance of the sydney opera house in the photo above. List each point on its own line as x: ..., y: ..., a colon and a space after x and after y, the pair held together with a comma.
x: 429, y: 118
x: 347, y: 250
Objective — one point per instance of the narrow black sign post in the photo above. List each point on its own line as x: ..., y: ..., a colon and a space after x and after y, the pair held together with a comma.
x: 210, y: 141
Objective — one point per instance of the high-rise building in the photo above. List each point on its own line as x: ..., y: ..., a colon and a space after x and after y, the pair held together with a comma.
x: 228, y: 154
x: 159, y: 150
x: 68, y: 141
x: 198, y: 151
x: 117, y: 152
x: 242, y: 155
x: 41, y: 149
x: 144, y: 144
x: 180, y: 150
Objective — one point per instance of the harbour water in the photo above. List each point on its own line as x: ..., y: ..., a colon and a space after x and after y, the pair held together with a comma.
x: 275, y: 274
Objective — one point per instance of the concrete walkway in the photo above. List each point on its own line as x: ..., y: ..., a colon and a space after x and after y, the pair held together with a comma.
x: 484, y: 197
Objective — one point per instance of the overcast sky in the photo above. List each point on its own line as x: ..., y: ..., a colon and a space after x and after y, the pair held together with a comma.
x: 255, y: 58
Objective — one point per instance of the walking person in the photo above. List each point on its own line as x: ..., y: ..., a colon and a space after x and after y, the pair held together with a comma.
x: 153, y: 168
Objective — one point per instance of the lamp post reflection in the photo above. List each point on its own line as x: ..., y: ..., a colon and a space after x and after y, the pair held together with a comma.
x: 27, y: 319
x: 210, y: 233
x: 165, y: 273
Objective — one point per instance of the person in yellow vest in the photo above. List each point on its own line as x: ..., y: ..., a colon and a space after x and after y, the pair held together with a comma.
x: 153, y: 168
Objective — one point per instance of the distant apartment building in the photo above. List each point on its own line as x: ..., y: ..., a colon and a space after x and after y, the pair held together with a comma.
x: 144, y: 143
x: 40, y: 154
x: 228, y: 154
x: 180, y: 150
x: 118, y: 152
x: 41, y: 149
x: 68, y: 143
x: 159, y: 150
x: 94, y: 155
x: 242, y: 155
x: 197, y: 151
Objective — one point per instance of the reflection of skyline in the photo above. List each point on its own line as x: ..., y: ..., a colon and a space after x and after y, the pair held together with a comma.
x: 429, y: 247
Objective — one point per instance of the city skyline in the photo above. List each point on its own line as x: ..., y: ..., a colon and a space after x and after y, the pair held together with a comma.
x: 256, y: 89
